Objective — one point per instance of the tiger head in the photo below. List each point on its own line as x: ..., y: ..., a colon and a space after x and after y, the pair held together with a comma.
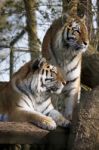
x: 50, y: 78
x: 75, y: 34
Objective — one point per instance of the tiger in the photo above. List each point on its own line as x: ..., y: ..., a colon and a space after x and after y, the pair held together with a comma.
x: 27, y: 96
x: 63, y: 45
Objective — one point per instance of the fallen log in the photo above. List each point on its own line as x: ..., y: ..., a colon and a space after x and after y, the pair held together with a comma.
x: 26, y: 133
x: 15, y: 132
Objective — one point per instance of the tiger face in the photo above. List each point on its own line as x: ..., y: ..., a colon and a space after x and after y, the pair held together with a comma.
x: 50, y: 79
x: 75, y: 34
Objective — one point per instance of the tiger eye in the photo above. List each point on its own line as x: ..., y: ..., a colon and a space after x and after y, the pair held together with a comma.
x: 47, y: 66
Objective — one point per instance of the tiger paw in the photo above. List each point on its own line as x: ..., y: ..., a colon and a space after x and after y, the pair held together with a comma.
x: 48, y: 123
x: 68, y: 115
x: 63, y: 122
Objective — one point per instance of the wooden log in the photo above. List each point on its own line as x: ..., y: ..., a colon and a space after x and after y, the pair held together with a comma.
x: 12, y: 133
x: 26, y: 133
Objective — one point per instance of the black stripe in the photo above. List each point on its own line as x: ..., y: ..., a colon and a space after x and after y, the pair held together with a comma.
x: 42, y: 84
x: 65, y: 44
x: 21, y: 90
x: 26, y: 102
x: 43, y: 71
x: 46, y: 107
x: 63, y: 35
x: 73, y: 68
x: 24, y: 92
x: 31, y: 101
x: 46, y: 72
x: 73, y: 57
x: 32, y: 92
x: 68, y: 33
x: 19, y: 106
x: 50, y: 79
x: 30, y: 89
x: 73, y: 80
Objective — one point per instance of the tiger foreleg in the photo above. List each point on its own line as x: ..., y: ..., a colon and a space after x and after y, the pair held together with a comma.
x: 36, y: 118
x: 71, y: 105
x: 59, y: 118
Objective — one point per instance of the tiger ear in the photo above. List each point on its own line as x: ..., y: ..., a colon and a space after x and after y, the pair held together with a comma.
x: 38, y: 63
x: 83, y: 19
x: 41, y: 62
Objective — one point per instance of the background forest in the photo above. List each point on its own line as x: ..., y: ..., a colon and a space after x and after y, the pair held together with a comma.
x: 23, y: 24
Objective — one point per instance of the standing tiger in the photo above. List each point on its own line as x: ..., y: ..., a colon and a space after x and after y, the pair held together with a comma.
x: 63, y: 45
x: 27, y: 96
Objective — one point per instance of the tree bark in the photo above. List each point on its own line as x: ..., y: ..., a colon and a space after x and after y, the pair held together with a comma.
x: 65, y: 5
x: 70, y: 6
x: 86, y: 136
x: 97, y: 30
x: 85, y: 7
x: 11, y: 62
x: 34, y: 45
x: 90, y: 70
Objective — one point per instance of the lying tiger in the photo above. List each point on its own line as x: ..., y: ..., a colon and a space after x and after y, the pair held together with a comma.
x: 27, y: 96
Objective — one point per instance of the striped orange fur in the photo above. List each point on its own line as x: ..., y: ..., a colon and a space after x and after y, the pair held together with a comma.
x: 27, y: 96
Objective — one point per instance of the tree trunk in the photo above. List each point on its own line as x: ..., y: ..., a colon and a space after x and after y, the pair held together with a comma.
x: 98, y: 13
x: 97, y: 30
x: 65, y: 5
x: 70, y: 6
x: 86, y: 136
x: 90, y: 70
x: 85, y: 7
x: 11, y: 62
x: 34, y: 45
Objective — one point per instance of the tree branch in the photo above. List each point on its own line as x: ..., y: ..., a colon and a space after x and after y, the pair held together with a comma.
x: 17, y: 37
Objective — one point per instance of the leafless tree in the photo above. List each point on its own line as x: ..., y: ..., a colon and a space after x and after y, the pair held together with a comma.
x: 34, y: 45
